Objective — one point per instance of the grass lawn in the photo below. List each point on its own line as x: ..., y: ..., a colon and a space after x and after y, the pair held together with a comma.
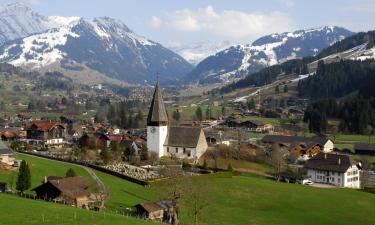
x: 274, y: 121
x: 41, y: 167
x: 352, y: 138
x: 188, y: 112
x: 238, y: 200
x: 257, y: 200
x: 19, y: 211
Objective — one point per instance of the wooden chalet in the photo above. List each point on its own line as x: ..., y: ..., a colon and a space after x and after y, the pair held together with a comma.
x: 71, y: 190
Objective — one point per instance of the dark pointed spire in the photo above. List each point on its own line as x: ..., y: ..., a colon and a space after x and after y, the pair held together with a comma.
x: 157, y: 115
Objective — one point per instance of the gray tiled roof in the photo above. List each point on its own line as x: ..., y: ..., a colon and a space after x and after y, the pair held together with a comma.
x: 183, y: 136
x: 4, y: 150
x: 157, y: 114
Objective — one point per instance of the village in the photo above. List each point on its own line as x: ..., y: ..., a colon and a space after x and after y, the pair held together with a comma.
x: 164, y: 151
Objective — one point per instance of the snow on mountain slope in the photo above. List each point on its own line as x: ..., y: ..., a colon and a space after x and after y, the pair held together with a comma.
x: 105, y: 45
x: 196, y: 52
x: 18, y: 21
x: 241, y: 60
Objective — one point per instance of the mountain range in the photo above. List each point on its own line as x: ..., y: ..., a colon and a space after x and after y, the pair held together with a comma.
x: 194, y: 53
x: 241, y: 60
x: 83, y: 46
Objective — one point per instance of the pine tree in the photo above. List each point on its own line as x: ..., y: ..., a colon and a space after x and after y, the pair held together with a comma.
x: 198, y: 113
x: 24, y: 177
x: 106, y: 155
x: 277, y: 89
x: 144, y: 153
x: 70, y: 173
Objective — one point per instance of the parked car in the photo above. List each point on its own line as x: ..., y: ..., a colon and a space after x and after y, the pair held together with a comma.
x: 309, y: 182
x: 372, y: 172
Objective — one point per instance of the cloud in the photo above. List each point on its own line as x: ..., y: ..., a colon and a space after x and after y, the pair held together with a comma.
x: 227, y: 23
x: 288, y: 3
x: 360, y: 7
x: 35, y: 2
x: 155, y: 22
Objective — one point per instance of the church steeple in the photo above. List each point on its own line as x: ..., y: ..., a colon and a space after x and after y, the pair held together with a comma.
x: 157, y: 116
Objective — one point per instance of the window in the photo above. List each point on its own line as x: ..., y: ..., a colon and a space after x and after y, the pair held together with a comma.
x: 167, y: 149
x: 176, y: 150
x: 184, y: 150
x: 338, y: 180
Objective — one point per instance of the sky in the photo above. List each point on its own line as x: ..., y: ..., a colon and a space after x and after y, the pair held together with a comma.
x: 180, y: 22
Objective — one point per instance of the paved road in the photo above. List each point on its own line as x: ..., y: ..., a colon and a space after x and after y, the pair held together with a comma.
x: 99, y: 183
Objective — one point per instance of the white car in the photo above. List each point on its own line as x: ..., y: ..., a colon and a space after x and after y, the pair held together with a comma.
x: 309, y: 182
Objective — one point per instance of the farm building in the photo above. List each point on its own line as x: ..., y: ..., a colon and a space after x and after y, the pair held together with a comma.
x: 72, y: 190
x: 326, y: 143
x: 161, y: 211
x: 364, y: 149
x: 334, y: 169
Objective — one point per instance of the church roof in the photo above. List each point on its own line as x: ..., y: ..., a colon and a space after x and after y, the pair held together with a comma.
x: 157, y: 114
x: 183, y: 137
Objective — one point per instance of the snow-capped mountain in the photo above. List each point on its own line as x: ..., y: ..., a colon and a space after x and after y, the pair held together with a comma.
x: 18, y: 21
x: 240, y: 60
x: 196, y: 52
x: 104, y: 45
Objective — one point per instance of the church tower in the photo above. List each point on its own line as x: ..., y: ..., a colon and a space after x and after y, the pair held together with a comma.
x: 157, y: 121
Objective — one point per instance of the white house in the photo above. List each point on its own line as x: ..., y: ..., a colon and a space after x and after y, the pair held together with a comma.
x: 182, y: 142
x: 334, y: 169
x: 7, y: 156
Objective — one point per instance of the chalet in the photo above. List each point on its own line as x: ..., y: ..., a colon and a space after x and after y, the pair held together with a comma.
x: 160, y: 211
x: 94, y: 141
x: 49, y: 133
x: 326, y: 143
x: 7, y: 156
x: 71, y: 190
x: 304, y: 151
x: 364, y: 149
x: 334, y: 169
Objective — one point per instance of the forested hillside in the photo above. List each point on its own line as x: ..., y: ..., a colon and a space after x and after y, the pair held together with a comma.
x: 338, y: 79
x: 300, y: 66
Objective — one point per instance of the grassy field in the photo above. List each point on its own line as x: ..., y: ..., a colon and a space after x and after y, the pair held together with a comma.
x: 274, y: 121
x: 188, y: 112
x: 40, y: 168
x: 352, y: 138
x: 238, y: 200
x: 257, y: 200
x: 19, y: 211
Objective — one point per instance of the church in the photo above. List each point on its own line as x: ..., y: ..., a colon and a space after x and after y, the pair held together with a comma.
x: 178, y: 141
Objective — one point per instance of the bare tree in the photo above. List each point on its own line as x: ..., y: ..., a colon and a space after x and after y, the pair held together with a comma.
x: 277, y: 159
x: 365, y: 175
x: 197, y: 195
x: 174, y: 189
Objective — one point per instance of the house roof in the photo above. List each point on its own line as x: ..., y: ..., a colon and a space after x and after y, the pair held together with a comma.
x: 183, y: 136
x: 43, y: 125
x: 364, y: 146
x: 157, y: 113
x: 150, y: 207
x: 330, y: 162
x: 71, y: 186
x: 4, y: 150
x: 294, y: 139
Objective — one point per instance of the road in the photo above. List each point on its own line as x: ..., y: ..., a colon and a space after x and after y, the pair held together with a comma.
x: 103, y: 191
